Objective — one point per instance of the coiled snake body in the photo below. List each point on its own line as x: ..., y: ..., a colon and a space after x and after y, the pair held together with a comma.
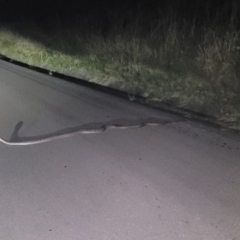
x: 81, y: 131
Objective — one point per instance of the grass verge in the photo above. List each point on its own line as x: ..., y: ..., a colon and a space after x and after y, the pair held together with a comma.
x: 190, y: 67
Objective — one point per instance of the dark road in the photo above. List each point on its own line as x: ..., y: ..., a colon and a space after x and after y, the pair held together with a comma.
x: 176, y: 181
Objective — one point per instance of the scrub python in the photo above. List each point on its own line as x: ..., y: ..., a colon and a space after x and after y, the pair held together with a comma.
x: 82, y: 131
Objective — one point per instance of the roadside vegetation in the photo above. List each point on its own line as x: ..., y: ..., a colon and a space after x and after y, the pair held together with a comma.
x: 183, y: 59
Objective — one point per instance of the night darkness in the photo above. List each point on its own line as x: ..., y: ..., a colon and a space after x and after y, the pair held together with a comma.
x: 107, y: 13
x: 200, y: 9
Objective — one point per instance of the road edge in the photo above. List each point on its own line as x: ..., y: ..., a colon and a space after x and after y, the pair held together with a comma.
x: 209, y: 120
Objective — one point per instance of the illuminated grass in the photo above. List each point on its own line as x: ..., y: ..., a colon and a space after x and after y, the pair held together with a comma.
x: 173, y: 63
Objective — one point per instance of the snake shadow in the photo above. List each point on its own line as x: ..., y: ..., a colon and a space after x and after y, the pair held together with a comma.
x: 90, y: 126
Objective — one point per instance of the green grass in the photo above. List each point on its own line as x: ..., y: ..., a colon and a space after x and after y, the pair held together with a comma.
x: 195, y: 68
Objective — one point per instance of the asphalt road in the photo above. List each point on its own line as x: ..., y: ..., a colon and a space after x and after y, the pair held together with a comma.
x: 176, y: 181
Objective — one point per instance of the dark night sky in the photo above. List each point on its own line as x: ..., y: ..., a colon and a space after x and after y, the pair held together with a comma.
x: 20, y: 7
x: 15, y: 9
x: 40, y: 7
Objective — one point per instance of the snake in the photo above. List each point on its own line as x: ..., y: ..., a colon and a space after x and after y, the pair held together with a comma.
x: 82, y: 131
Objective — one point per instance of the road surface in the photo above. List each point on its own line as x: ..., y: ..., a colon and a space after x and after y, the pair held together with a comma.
x: 176, y: 181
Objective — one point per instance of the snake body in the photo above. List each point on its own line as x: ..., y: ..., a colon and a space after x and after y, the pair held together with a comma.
x: 82, y: 131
